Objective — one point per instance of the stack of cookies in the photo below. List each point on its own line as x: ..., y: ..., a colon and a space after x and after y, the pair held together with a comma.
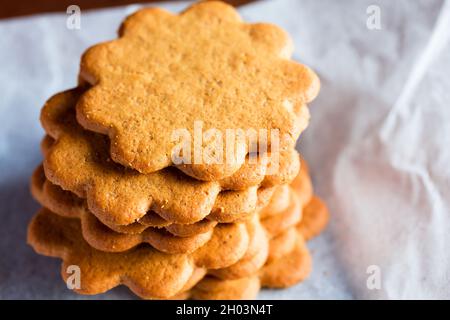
x: 172, y: 167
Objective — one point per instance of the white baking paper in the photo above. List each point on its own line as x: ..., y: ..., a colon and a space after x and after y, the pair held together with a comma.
x: 378, y: 144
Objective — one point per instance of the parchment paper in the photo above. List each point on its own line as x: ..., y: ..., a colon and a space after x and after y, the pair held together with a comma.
x: 378, y: 144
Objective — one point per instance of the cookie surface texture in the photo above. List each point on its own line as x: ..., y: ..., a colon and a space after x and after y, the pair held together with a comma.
x: 204, y: 66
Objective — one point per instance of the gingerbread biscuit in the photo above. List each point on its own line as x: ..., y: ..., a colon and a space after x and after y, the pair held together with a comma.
x: 68, y: 204
x: 315, y: 218
x: 284, y: 168
x: 315, y: 212
x: 264, y: 169
x: 290, y: 264
x: 252, y: 173
x: 288, y: 269
x: 282, y: 244
x: 203, y: 65
x: 288, y: 261
x: 229, y: 212
x: 279, y: 201
x: 276, y: 223
x: 76, y: 161
x: 103, y: 238
x: 254, y: 258
x: 287, y: 264
x: 283, y: 270
x: 138, y: 268
x: 185, y: 293
x: 302, y: 183
x: 187, y: 230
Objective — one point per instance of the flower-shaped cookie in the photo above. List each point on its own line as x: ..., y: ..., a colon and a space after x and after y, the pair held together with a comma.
x: 167, y: 72
x: 141, y: 268
x: 174, y: 239
x: 148, y: 272
x: 242, y: 261
x: 67, y: 204
x: 78, y: 161
x: 291, y: 266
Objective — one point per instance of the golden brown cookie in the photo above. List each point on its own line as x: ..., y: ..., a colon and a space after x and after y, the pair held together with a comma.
x: 284, y: 168
x: 289, y: 263
x: 254, y: 258
x: 251, y: 173
x: 315, y: 212
x: 146, y: 271
x: 68, y: 204
x: 78, y: 161
x: 187, y: 230
x: 315, y: 218
x: 278, y: 222
x: 282, y: 244
x: 302, y: 183
x: 229, y: 211
x: 205, y: 65
x: 288, y: 269
x: 279, y: 201
x: 185, y: 293
x: 103, y: 238
x: 196, y: 277
x: 280, y: 262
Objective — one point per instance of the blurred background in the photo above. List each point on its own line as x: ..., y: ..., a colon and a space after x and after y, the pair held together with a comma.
x: 30, y: 7
x: 377, y: 145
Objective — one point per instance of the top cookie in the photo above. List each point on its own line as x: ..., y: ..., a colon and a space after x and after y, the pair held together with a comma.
x: 167, y: 73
